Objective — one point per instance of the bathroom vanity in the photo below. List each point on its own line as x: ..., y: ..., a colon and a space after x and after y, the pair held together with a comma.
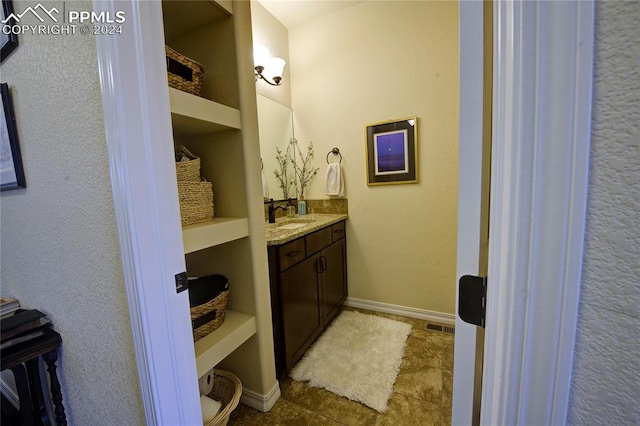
x: 308, y: 275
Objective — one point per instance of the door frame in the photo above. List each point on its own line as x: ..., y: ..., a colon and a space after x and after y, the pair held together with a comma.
x: 527, y: 368
x: 542, y: 83
x: 467, y: 366
x: 137, y: 116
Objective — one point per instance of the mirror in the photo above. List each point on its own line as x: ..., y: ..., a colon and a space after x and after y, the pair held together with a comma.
x: 275, y: 127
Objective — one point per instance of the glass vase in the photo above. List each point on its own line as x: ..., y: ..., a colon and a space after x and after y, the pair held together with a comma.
x: 302, y: 206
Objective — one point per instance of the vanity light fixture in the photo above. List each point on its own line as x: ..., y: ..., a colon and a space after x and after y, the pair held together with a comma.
x: 267, y: 66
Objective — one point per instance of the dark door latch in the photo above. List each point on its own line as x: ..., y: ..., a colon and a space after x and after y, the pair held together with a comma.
x: 472, y: 297
x: 182, y: 282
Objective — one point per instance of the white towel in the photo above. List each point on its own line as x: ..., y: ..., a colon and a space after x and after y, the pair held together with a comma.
x: 334, y: 180
x: 265, y: 187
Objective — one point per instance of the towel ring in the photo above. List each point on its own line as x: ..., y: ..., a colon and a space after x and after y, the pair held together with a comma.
x: 334, y: 151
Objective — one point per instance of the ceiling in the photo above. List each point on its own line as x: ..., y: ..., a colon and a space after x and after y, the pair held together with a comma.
x: 292, y: 13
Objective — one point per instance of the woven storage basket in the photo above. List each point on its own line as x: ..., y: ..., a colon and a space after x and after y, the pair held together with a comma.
x: 183, y: 73
x: 227, y: 389
x: 218, y: 305
x: 196, y: 202
x: 187, y: 171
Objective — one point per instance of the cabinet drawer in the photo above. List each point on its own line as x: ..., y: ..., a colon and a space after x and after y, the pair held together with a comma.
x: 318, y: 240
x: 337, y: 231
x: 291, y: 253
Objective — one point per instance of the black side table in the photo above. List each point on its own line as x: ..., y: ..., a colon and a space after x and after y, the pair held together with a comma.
x: 22, y: 360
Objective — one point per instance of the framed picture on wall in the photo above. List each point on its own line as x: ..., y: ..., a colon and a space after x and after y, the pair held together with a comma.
x: 11, y: 171
x: 392, y: 151
x: 8, y: 42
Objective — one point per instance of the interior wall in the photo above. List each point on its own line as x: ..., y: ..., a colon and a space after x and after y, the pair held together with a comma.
x: 373, y: 62
x: 274, y: 102
x: 59, y: 249
x: 269, y: 32
x: 606, y: 372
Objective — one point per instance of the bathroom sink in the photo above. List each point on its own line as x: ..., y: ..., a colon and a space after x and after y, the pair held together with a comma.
x: 293, y: 225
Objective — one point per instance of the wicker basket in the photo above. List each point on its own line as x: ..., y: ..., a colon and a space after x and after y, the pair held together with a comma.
x: 196, y: 202
x: 187, y: 171
x: 183, y: 73
x: 218, y: 307
x: 227, y: 389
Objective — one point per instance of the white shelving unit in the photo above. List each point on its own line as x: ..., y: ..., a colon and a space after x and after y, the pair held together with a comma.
x: 192, y: 115
x: 200, y: 119
x: 195, y: 115
x: 220, y: 230
x: 216, y: 346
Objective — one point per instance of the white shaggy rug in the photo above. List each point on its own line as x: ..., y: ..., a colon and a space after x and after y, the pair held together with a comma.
x: 357, y: 357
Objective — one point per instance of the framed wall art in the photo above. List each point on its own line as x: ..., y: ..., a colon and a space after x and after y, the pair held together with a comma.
x: 392, y: 151
x: 8, y: 42
x: 11, y: 171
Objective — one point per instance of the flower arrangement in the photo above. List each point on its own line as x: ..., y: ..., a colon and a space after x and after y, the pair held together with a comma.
x: 283, y: 158
x: 304, y: 173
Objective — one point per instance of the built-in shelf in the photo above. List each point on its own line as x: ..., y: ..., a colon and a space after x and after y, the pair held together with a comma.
x: 218, y: 231
x: 182, y: 17
x: 225, y: 5
x: 193, y: 115
x: 236, y: 329
x: 213, y: 129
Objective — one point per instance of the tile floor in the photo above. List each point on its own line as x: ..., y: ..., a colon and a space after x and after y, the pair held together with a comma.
x: 421, y: 394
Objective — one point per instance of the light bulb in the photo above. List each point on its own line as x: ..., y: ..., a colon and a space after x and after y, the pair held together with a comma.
x: 276, y: 67
x: 260, y: 56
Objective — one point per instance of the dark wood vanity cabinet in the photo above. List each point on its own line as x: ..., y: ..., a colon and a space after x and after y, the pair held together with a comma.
x: 308, y: 286
x: 301, y: 321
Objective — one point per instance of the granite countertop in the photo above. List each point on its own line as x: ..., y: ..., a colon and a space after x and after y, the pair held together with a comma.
x: 277, y: 235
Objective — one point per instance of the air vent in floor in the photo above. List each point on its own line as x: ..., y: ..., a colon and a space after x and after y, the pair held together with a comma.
x: 442, y: 328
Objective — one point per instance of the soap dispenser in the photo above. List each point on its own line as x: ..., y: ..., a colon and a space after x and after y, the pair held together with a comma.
x: 291, y: 209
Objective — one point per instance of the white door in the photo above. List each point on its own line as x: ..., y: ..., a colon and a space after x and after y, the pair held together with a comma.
x: 541, y: 115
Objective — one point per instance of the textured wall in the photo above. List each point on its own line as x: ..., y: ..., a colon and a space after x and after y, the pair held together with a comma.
x: 376, y: 61
x: 606, y: 373
x: 59, y: 247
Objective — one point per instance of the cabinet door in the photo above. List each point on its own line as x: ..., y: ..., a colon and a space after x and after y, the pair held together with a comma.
x: 300, y: 304
x: 334, y: 279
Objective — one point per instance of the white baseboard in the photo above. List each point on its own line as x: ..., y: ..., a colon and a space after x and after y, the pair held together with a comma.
x: 387, y: 308
x: 258, y: 401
